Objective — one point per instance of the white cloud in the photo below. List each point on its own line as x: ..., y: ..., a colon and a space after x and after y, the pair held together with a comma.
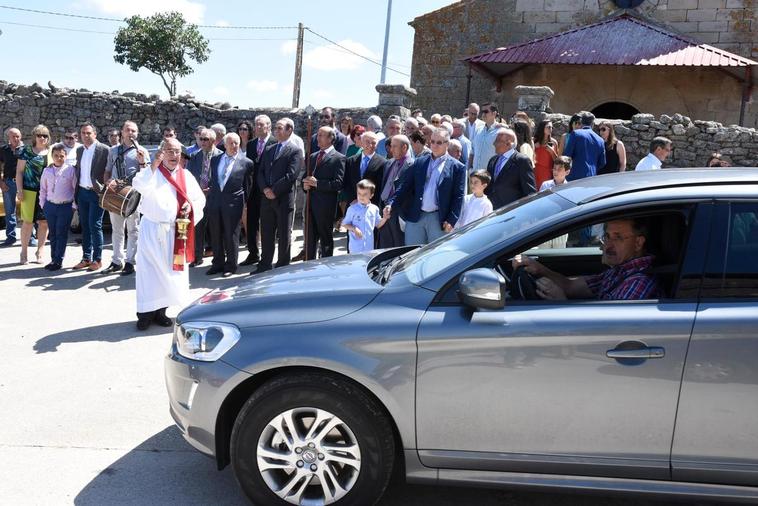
x: 192, y: 11
x: 262, y: 86
x: 221, y: 22
x: 289, y: 47
x: 332, y: 57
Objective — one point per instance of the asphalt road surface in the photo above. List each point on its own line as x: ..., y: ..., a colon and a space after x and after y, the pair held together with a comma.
x: 83, y: 408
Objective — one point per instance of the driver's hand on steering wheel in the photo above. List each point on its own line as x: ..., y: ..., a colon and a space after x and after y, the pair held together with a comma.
x: 531, y: 265
x: 547, y: 289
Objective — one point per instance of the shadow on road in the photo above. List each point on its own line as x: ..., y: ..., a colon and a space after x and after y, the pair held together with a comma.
x: 109, y: 333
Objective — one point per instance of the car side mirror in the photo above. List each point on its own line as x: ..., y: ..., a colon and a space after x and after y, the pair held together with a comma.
x: 482, y: 289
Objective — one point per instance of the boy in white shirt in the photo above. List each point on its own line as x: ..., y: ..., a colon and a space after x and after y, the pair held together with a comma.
x: 361, y: 218
x: 475, y: 204
x: 561, y: 169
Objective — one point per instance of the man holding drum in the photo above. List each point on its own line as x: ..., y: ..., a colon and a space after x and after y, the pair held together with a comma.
x: 169, y: 193
x: 123, y: 164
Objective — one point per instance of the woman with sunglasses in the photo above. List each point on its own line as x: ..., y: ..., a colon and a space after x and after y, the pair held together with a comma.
x: 615, y: 152
x: 32, y: 160
x: 245, y: 131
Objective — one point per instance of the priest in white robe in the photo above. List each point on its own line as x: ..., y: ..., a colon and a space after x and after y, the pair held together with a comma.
x: 168, y: 192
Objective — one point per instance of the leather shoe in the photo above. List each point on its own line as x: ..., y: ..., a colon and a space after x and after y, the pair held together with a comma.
x: 113, y: 267
x: 143, y: 323
x: 213, y: 270
x: 228, y: 274
x: 196, y: 263
x: 48, y: 266
x: 260, y: 270
x: 128, y: 269
x: 54, y: 267
x: 83, y: 264
x: 250, y: 260
x: 161, y: 319
x: 299, y: 257
x: 94, y: 266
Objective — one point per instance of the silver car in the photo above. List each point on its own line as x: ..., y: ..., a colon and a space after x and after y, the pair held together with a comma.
x: 317, y: 380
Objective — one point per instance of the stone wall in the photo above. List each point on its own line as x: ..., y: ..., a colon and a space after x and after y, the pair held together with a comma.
x: 446, y: 36
x: 60, y: 108
x: 694, y: 141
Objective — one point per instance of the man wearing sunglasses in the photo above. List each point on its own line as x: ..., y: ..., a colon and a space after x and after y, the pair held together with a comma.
x: 199, y: 166
x: 624, y: 245
x: 71, y: 144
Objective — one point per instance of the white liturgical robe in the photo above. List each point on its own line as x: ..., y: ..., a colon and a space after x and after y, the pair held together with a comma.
x: 158, y: 284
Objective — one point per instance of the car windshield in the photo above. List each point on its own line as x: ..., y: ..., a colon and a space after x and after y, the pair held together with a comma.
x: 425, y: 262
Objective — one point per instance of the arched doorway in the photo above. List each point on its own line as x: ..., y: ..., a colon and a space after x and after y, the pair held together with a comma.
x: 615, y: 110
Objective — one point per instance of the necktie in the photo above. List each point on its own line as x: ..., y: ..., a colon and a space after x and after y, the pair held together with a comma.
x: 227, y: 167
x: 319, y: 157
x: 364, y: 164
x: 278, y: 149
x: 204, y: 179
x: 261, y: 144
x: 500, y: 165
x: 389, y: 186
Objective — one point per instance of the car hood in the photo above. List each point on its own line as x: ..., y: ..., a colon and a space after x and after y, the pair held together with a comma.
x: 312, y: 291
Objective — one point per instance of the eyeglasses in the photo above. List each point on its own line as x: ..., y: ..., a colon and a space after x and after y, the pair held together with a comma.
x: 43, y: 136
x: 603, y: 129
x: 205, y: 139
x: 616, y: 238
x: 70, y: 138
x: 437, y: 142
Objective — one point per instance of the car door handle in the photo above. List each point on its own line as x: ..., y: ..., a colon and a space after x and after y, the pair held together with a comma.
x: 638, y: 353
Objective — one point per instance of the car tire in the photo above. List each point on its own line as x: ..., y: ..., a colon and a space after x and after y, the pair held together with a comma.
x: 297, y: 401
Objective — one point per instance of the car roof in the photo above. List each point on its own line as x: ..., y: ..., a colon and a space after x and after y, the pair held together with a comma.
x: 608, y: 185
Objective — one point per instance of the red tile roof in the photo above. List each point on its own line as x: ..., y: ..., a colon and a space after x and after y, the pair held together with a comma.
x: 620, y: 40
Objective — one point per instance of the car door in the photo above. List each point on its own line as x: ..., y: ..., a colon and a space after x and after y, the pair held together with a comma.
x: 716, y: 436
x: 533, y: 387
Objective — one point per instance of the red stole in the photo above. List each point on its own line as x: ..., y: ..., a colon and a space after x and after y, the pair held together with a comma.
x: 182, y: 249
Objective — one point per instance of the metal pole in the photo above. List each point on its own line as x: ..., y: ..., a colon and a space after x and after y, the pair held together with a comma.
x: 386, y: 42
x: 747, y: 90
x: 298, y: 67
x: 468, y: 86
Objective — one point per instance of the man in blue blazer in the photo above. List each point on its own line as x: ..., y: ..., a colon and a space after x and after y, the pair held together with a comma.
x: 224, y: 204
x: 430, y: 194
x: 586, y: 149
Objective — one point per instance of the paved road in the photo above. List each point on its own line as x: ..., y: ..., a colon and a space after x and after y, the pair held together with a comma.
x: 83, y: 408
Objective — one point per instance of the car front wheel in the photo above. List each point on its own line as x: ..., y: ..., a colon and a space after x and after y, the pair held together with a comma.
x: 312, y: 440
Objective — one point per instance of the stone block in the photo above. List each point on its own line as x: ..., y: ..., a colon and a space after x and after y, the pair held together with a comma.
x: 550, y: 27
x: 539, y: 17
x: 672, y: 15
x: 682, y: 4
x: 564, y: 5
x: 735, y: 37
x: 711, y: 4
x: 701, y: 15
x: 707, y: 37
x: 686, y: 27
x: 735, y: 4
x: 712, y: 26
x: 530, y: 5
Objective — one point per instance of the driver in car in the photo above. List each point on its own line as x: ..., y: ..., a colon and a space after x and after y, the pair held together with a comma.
x: 624, y: 251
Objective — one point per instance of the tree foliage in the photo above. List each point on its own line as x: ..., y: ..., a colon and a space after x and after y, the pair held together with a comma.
x: 163, y: 44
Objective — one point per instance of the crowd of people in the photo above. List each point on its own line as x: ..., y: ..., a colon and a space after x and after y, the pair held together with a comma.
x: 385, y: 184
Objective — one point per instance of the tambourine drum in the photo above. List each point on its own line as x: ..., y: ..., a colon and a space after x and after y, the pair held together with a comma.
x: 123, y: 200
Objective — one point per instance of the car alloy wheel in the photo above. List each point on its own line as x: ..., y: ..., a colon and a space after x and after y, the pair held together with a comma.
x: 308, y: 453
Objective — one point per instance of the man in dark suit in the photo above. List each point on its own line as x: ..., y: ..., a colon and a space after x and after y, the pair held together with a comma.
x: 322, y: 187
x: 512, y: 173
x: 326, y: 118
x: 199, y: 166
x: 255, y: 148
x: 91, y: 161
x: 391, y: 235
x: 430, y: 194
x: 276, y: 176
x: 366, y: 165
x: 585, y: 148
x: 224, y: 205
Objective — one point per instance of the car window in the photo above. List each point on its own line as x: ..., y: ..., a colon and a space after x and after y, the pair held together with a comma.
x: 737, y: 267
x: 426, y: 262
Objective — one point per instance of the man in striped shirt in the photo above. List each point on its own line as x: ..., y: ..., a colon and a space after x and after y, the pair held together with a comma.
x: 624, y: 252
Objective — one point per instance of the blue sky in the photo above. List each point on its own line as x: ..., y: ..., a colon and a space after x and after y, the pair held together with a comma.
x: 248, y: 73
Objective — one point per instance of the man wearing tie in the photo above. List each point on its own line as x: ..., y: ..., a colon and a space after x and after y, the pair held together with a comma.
x: 511, y: 172
x: 430, y: 195
x: 255, y: 147
x: 391, y: 235
x: 326, y: 118
x: 226, y: 200
x: 276, y: 176
x: 199, y: 166
x: 366, y: 165
x: 322, y: 187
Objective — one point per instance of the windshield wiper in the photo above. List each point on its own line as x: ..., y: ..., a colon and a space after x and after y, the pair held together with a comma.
x: 384, y: 272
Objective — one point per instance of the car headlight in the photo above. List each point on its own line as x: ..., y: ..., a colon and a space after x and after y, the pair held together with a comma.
x: 206, y: 341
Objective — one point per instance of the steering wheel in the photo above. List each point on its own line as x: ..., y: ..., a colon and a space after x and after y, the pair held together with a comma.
x: 523, y: 285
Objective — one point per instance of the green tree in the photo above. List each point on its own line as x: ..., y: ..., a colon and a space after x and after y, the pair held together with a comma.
x: 163, y: 44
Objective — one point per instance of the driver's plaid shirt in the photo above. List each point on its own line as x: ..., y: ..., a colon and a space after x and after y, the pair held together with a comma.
x: 628, y: 281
